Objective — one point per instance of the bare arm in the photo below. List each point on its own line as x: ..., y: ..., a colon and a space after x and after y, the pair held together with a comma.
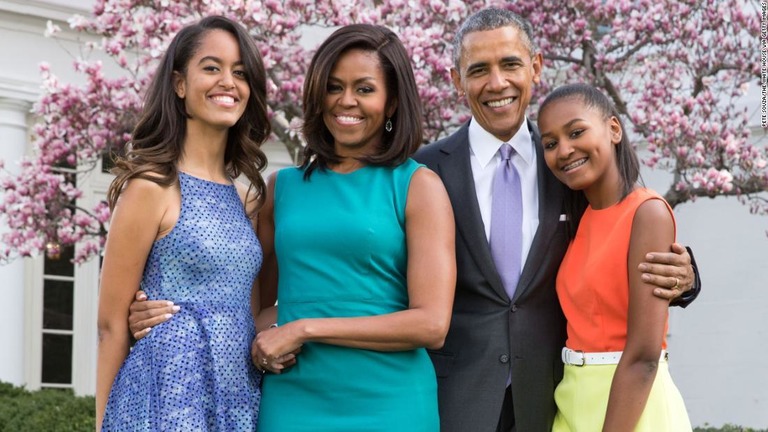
x: 266, y: 232
x: 264, y: 292
x: 652, y: 229
x: 431, y: 282
x: 136, y: 223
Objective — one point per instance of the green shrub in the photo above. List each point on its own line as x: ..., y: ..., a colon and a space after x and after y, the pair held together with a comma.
x: 46, y: 410
x: 726, y: 428
x: 52, y: 410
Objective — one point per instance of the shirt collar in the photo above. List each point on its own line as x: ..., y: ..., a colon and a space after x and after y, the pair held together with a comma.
x: 485, y: 145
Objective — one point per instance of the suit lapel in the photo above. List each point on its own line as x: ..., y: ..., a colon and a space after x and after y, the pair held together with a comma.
x: 550, y: 208
x: 456, y: 172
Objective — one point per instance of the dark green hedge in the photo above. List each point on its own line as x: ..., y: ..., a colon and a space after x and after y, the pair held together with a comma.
x: 727, y: 428
x: 61, y: 411
x: 45, y: 410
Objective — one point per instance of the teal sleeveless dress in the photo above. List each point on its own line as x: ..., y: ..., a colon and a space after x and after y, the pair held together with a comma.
x: 341, y: 252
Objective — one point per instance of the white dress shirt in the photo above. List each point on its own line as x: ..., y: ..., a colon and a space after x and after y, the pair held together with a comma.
x: 484, y: 158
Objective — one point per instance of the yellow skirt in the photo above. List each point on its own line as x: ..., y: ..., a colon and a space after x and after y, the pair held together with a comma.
x: 582, y: 400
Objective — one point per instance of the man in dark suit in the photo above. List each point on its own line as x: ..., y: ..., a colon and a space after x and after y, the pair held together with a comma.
x: 501, y: 360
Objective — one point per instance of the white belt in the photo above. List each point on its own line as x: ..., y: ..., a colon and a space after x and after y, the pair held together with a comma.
x: 580, y: 358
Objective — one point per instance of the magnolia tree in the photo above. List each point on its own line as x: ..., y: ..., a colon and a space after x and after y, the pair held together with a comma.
x: 674, y: 68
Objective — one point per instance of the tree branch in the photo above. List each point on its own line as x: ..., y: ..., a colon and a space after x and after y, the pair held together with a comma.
x: 751, y: 186
x: 292, y: 143
x: 563, y: 59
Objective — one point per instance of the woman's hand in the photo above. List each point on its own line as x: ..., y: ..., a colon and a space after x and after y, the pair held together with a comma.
x: 272, y: 350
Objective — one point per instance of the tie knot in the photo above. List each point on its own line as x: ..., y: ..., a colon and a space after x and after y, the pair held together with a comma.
x: 506, y: 151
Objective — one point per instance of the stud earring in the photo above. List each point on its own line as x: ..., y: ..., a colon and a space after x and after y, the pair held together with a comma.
x: 388, y: 125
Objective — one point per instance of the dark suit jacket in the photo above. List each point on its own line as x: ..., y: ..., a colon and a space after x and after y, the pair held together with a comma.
x: 491, y: 335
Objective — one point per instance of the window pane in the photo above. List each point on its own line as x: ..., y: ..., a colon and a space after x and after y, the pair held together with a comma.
x: 58, y: 301
x: 57, y: 359
x: 61, y: 266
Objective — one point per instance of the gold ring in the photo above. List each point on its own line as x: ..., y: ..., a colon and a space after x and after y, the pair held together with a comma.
x: 677, y: 283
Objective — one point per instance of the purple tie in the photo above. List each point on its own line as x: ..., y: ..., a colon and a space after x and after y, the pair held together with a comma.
x: 507, y: 221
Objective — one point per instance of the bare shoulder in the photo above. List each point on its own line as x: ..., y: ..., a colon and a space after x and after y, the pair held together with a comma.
x: 426, y: 191
x: 271, y: 179
x: 426, y: 179
x: 653, y: 228
x: 145, y: 191
x: 149, y: 205
x: 652, y: 212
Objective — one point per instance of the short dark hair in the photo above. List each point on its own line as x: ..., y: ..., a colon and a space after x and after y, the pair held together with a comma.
x: 626, y: 157
x: 406, y: 136
x: 491, y: 19
x: 157, y: 140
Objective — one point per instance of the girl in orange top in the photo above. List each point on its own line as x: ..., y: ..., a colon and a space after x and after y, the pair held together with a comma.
x: 616, y: 376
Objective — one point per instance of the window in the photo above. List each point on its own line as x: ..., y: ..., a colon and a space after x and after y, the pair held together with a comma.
x: 58, y: 314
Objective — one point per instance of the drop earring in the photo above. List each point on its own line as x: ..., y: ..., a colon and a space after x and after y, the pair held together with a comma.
x: 388, y: 125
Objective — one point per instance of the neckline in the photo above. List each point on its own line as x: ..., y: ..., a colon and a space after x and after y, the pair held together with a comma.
x: 329, y: 170
x: 206, y: 180
x: 617, y: 203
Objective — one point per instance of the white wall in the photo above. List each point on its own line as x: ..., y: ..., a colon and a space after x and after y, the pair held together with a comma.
x: 718, y: 345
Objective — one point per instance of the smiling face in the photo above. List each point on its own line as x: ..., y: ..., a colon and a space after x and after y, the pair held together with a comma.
x: 355, y: 107
x: 497, y: 73
x: 214, y: 87
x: 580, y: 148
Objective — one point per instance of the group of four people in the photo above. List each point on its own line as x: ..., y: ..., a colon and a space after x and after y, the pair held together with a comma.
x: 380, y: 264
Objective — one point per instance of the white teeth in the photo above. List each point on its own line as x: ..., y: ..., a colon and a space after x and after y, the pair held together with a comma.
x: 224, y: 99
x: 576, y: 164
x: 500, y: 103
x: 349, y: 119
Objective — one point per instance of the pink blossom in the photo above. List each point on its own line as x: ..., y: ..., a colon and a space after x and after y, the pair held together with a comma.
x: 678, y: 70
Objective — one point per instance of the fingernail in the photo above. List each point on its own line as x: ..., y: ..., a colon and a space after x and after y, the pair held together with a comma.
x: 148, y: 329
x: 649, y: 256
x: 170, y: 303
x: 176, y: 308
x: 168, y: 316
x: 142, y: 297
x: 646, y: 277
x: 642, y: 267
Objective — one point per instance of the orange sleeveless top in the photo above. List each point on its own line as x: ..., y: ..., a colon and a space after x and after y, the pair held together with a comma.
x: 593, y: 280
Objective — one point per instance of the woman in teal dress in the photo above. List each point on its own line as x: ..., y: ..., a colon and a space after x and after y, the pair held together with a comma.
x: 363, y: 237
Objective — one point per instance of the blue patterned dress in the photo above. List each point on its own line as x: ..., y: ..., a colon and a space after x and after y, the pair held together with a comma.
x: 194, y: 372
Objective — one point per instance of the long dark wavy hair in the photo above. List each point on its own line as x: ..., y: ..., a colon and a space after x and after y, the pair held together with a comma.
x: 157, y: 141
x: 406, y: 137
x: 626, y: 158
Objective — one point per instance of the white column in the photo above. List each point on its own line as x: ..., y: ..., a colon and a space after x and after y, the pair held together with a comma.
x: 13, y: 143
x: 85, y: 349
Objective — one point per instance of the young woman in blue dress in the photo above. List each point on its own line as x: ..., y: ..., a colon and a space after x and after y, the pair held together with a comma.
x: 182, y: 230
